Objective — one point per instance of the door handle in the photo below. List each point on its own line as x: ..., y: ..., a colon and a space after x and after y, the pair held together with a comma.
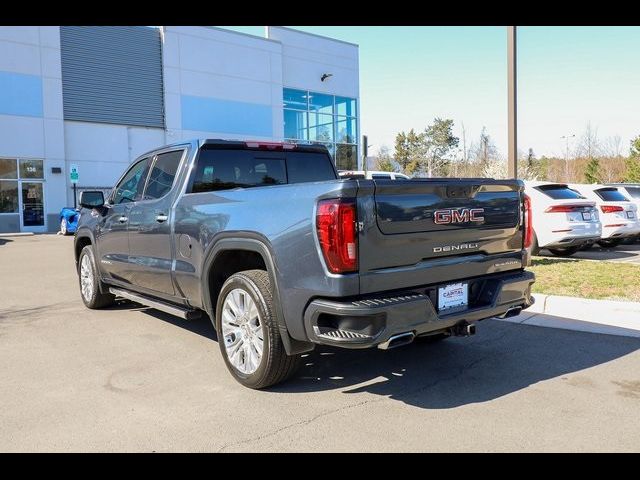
x: 123, y: 219
x: 161, y: 217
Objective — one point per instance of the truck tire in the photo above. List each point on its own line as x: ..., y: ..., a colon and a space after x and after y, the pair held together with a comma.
x: 89, y: 280
x: 248, y: 333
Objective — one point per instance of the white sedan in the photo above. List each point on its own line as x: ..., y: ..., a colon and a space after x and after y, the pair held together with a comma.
x: 563, y: 220
x: 619, y: 215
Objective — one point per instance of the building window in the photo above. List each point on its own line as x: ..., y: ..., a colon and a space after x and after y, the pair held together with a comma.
x: 311, y: 117
x: 14, y: 176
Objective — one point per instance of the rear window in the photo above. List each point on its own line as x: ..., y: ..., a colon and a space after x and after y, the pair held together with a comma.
x: 559, y: 192
x: 218, y: 169
x: 611, y: 195
x: 380, y: 175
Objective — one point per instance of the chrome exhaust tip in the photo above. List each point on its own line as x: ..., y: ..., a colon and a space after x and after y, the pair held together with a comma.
x: 397, y: 341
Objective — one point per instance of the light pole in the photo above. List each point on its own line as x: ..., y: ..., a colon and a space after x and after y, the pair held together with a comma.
x: 566, y: 157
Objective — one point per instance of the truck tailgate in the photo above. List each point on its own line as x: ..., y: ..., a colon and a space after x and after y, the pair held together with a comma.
x: 437, y: 229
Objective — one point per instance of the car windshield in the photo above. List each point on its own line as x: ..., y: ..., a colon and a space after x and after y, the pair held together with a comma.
x: 559, y: 192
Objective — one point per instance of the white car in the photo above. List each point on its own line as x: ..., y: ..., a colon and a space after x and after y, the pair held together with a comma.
x: 373, y: 174
x: 618, y: 214
x: 563, y: 220
x: 632, y: 192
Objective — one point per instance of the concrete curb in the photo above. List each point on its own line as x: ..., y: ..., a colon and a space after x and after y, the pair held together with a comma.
x: 582, y: 314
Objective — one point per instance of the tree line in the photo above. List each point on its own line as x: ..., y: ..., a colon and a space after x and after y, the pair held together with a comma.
x: 437, y: 152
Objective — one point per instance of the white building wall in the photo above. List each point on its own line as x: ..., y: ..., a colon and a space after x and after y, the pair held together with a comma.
x: 237, y: 73
x: 35, y: 51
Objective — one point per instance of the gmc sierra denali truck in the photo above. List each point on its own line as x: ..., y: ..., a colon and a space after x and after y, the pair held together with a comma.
x: 283, y: 255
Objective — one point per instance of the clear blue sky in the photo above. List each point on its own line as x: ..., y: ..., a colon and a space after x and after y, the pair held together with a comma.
x: 568, y: 76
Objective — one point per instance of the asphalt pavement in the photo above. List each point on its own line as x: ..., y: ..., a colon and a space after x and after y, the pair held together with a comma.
x: 132, y: 379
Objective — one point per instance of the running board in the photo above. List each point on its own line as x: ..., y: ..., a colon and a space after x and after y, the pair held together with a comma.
x: 178, y: 311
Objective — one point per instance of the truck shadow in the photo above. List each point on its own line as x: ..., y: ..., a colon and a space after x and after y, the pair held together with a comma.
x: 501, y: 359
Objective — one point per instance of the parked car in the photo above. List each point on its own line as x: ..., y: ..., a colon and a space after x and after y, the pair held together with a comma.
x: 563, y: 220
x: 283, y: 255
x: 632, y: 192
x: 69, y: 220
x: 373, y: 175
x: 618, y: 214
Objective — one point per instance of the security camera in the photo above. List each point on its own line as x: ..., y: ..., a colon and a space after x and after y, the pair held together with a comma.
x: 325, y: 76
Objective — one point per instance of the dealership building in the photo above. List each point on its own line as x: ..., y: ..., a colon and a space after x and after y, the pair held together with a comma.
x: 84, y: 102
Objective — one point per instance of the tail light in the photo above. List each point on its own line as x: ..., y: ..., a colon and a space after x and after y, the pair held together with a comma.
x: 336, y: 224
x: 567, y: 208
x: 528, y: 227
x: 611, y: 208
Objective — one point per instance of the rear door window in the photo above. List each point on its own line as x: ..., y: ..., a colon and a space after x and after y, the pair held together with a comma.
x: 559, y: 192
x: 381, y: 175
x: 162, y: 175
x: 611, y: 195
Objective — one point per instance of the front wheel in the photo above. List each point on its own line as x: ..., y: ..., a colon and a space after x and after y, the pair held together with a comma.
x: 90, y: 281
x: 563, y: 252
x: 248, y: 332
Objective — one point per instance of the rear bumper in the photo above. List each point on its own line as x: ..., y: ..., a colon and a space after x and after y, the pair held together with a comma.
x: 370, y: 321
x: 572, y: 242
x: 627, y: 230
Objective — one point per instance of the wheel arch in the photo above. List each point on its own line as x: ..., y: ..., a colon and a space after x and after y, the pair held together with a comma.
x: 232, y: 254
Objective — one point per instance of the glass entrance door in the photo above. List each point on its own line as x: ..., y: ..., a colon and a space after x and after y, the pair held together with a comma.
x: 32, y: 206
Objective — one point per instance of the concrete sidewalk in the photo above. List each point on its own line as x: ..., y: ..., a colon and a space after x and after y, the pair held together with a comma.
x: 582, y: 314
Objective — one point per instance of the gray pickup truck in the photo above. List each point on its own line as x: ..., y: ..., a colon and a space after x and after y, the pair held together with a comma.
x: 283, y: 255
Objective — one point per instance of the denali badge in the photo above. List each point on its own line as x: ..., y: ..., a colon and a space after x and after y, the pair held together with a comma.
x: 454, y: 248
x: 458, y: 215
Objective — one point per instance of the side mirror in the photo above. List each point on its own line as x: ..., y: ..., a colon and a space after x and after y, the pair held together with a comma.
x: 91, y: 199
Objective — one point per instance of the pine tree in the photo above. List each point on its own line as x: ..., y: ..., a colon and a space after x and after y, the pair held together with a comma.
x: 592, y: 171
x: 632, y: 164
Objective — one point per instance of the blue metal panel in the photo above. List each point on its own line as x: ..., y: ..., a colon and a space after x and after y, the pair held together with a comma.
x: 20, y: 94
x: 226, y: 116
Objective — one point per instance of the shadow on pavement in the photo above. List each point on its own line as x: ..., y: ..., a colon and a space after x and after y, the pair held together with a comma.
x: 598, y: 253
x: 501, y: 359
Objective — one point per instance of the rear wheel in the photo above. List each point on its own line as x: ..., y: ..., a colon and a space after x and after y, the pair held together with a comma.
x: 90, y: 281
x: 609, y: 243
x: 563, y: 252
x: 248, y: 333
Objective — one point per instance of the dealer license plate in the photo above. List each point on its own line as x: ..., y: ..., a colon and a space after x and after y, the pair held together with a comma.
x: 586, y: 216
x: 453, y: 296
x: 630, y: 215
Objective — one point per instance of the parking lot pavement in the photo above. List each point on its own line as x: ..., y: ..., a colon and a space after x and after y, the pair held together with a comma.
x: 129, y: 378
x: 621, y: 253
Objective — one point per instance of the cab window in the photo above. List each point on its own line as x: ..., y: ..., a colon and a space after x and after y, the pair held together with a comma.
x: 132, y: 184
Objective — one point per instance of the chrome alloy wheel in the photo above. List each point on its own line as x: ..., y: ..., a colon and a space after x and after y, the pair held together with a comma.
x: 86, y: 278
x: 242, y: 331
